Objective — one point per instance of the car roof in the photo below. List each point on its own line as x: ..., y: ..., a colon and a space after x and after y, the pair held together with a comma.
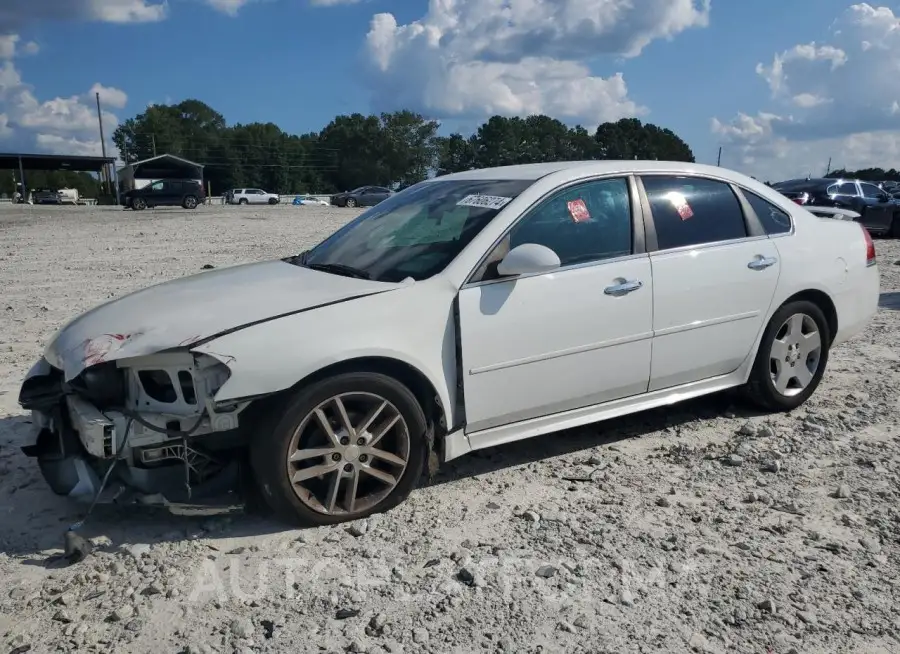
x: 606, y: 166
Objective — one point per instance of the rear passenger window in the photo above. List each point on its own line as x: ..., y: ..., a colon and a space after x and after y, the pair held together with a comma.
x: 773, y: 219
x: 693, y: 211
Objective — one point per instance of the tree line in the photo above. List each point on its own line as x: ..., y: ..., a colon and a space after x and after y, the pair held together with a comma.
x: 867, y: 174
x: 390, y: 149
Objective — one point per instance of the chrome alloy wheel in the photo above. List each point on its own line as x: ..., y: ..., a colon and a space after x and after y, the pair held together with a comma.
x: 795, y: 355
x: 348, y: 453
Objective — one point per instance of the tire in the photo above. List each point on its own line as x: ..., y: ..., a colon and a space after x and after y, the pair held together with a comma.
x: 894, y: 231
x: 273, y: 200
x: 351, y: 203
x: 243, y: 201
x: 189, y: 202
x: 138, y: 204
x: 761, y: 387
x: 295, y: 425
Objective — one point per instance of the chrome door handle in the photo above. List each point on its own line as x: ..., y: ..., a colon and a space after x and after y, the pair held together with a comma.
x: 623, y: 287
x: 761, y: 262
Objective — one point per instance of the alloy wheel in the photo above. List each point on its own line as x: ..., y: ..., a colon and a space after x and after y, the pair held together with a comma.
x: 348, y: 454
x: 795, y: 355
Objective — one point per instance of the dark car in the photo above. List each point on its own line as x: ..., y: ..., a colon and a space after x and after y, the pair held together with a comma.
x: 877, y: 208
x: 185, y: 193
x: 364, y: 196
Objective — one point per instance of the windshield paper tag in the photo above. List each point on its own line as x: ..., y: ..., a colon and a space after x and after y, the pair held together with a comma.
x: 495, y: 202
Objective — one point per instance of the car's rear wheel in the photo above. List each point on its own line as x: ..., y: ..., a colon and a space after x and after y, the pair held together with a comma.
x: 344, y: 448
x: 138, y: 204
x: 792, y: 357
x: 243, y: 201
x: 190, y: 202
x: 351, y: 202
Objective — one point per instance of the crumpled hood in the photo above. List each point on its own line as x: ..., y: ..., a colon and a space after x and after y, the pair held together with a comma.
x: 194, y: 308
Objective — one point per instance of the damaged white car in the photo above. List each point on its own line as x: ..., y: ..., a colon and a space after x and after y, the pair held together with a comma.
x: 467, y: 311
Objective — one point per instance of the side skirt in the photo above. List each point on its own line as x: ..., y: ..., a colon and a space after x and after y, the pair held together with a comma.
x: 459, y: 443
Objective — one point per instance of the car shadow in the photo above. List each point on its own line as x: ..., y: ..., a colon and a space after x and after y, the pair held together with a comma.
x: 588, y: 437
x: 889, y: 300
x: 35, y: 520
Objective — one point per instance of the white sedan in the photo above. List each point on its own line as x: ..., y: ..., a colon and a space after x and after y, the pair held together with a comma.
x: 310, y: 200
x: 467, y: 311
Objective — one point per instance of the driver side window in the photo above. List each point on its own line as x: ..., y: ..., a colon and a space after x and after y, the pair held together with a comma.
x: 584, y: 223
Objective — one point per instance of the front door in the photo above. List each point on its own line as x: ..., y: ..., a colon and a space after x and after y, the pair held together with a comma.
x: 878, y: 212
x: 712, y: 282
x: 574, y: 337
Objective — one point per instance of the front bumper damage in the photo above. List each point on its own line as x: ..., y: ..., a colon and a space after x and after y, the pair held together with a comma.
x: 153, y: 418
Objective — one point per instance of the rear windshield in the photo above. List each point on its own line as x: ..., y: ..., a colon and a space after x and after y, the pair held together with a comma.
x: 416, y: 233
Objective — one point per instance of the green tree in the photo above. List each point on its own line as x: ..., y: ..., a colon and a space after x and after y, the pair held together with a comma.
x: 455, y: 153
x: 628, y: 138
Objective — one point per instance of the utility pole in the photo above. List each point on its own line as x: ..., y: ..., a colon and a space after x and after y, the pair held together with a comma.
x: 153, y: 141
x: 719, y: 159
x: 828, y: 168
x: 102, y: 139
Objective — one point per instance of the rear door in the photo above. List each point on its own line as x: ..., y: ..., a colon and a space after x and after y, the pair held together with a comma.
x: 714, y: 275
x: 879, y: 210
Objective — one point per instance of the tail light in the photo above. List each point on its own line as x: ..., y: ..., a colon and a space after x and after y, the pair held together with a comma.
x: 801, y: 198
x: 870, y: 247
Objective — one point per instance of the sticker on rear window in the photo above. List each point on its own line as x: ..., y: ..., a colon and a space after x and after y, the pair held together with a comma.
x: 680, y: 203
x: 578, y: 210
x: 495, y: 202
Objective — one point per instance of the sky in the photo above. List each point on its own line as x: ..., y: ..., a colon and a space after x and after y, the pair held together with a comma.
x: 781, y: 87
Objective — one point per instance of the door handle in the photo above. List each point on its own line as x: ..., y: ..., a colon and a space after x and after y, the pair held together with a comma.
x: 623, y: 287
x: 761, y: 262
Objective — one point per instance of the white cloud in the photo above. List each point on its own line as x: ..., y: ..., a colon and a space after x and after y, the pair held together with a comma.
x: 838, y: 99
x: 109, y: 95
x: 5, y: 130
x: 56, y: 144
x: 230, y: 7
x: 478, y: 57
x: 62, y: 125
x: 332, y: 3
x: 15, y: 13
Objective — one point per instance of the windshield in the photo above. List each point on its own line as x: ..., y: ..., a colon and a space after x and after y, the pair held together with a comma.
x: 417, y: 232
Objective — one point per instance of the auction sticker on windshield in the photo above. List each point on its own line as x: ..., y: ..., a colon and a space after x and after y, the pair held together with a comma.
x: 495, y: 202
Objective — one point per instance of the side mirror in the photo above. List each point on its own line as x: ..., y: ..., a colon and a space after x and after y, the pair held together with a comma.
x: 527, y: 259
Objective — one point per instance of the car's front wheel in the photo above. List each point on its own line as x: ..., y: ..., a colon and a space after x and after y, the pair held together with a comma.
x: 792, y: 357
x: 344, y: 448
x: 273, y: 200
x: 351, y: 202
x: 138, y: 204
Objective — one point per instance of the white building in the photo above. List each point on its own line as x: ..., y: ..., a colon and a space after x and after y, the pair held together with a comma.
x: 166, y: 166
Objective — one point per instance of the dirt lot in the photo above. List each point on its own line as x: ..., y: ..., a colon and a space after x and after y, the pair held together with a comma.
x: 705, y: 526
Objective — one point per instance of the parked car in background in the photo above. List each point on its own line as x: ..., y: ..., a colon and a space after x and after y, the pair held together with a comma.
x: 877, y: 208
x: 252, y: 196
x: 470, y: 310
x: 46, y: 196
x: 304, y: 200
x: 364, y: 196
x: 69, y: 196
x: 165, y: 193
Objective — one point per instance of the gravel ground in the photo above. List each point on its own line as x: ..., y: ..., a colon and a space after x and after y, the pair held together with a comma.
x: 703, y: 527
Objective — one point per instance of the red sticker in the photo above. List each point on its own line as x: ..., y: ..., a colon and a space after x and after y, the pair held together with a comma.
x: 685, y: 211
x: 578, y: 210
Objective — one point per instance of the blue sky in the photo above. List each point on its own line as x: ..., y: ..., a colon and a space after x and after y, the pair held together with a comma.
x: 759, y: 78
